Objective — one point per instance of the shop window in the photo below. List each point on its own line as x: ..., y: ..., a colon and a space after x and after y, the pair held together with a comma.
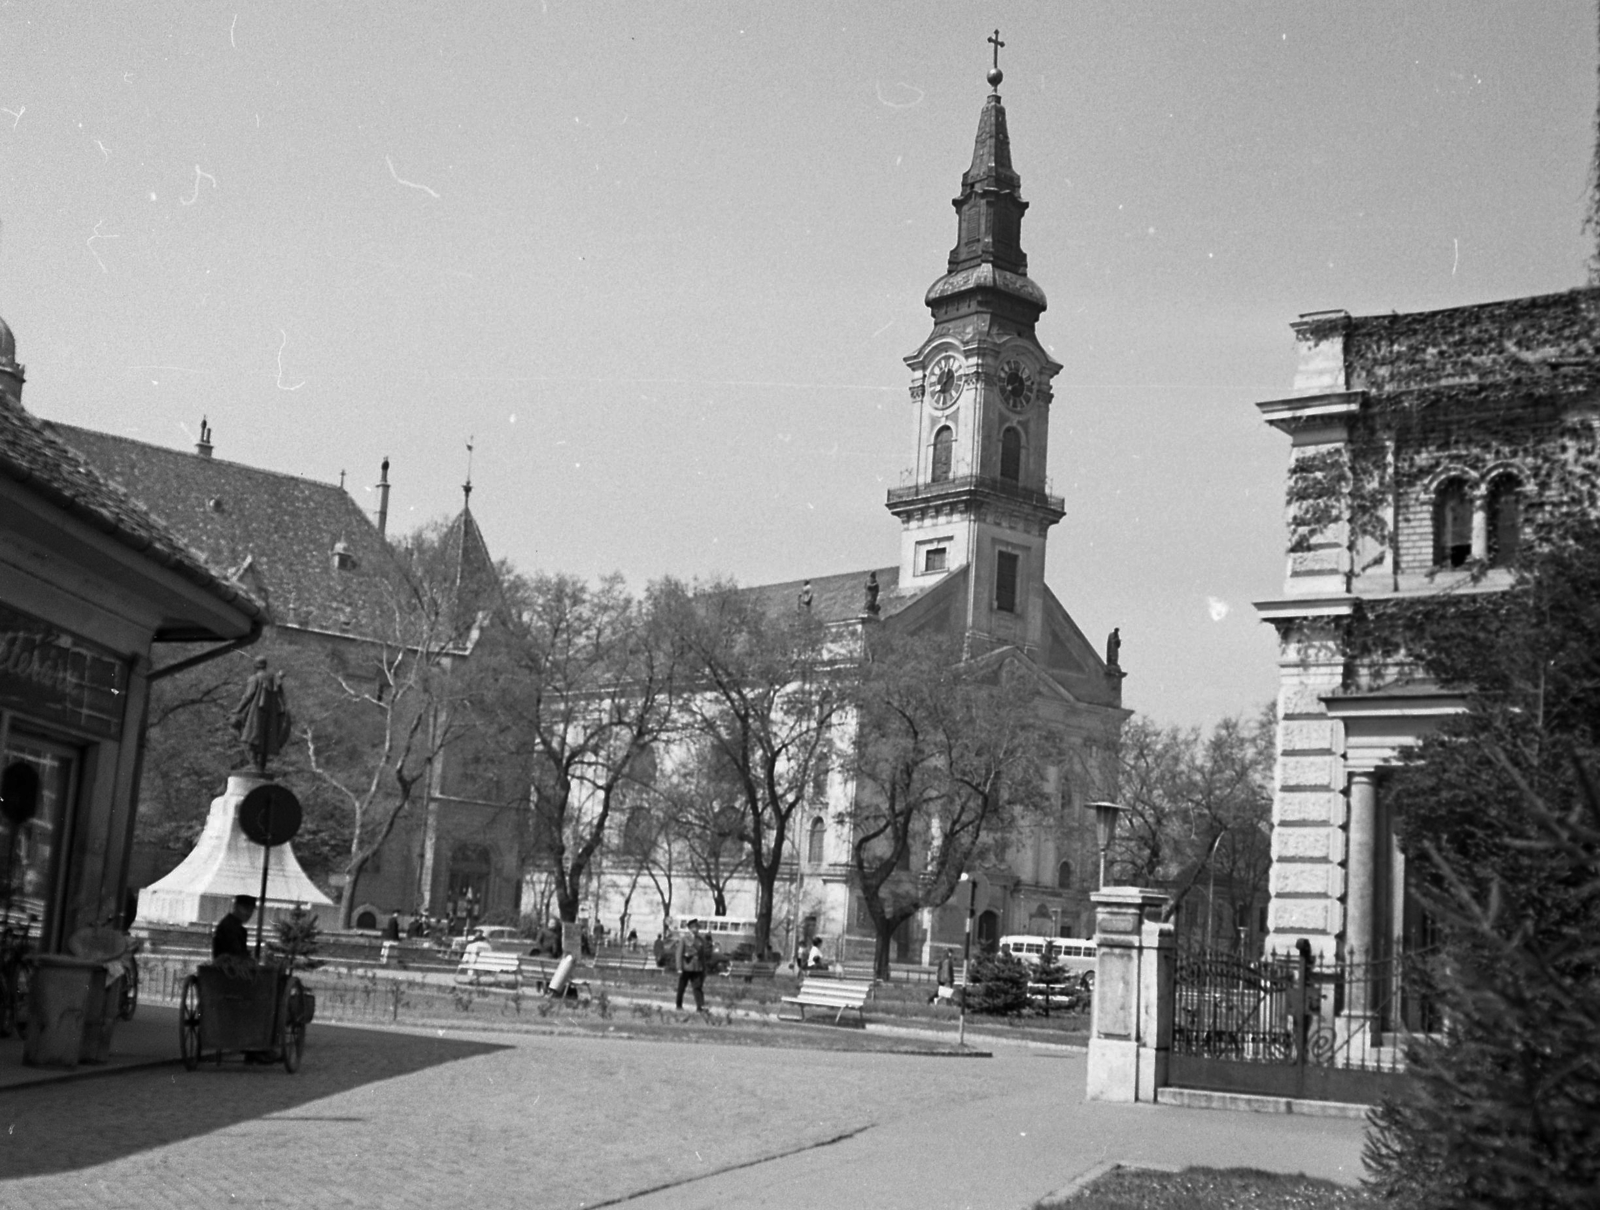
x: 814, y: 841
x: 1452, y: 525
x: 1504, y: 509
x: 943, y: 444
x: 38, y: 784
x: 1005, y: 581
x: 1011, y: 455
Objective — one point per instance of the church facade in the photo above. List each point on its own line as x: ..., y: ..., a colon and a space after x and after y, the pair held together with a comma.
x: 1427, y: 451
x: 975, y: 517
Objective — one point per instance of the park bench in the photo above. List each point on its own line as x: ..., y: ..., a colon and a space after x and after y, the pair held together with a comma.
x: 750, y: 971
x: 835, y: 994
x: 498, y: 968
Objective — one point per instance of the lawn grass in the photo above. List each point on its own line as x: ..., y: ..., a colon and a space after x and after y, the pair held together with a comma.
x: 1209, y: 1189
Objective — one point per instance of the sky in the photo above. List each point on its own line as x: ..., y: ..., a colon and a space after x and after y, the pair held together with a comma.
x: 659, y: 264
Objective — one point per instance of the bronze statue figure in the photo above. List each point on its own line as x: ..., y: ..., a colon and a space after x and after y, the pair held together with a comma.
x: 262, y: 719
x: 872, y: 593
x: 1113, y: 647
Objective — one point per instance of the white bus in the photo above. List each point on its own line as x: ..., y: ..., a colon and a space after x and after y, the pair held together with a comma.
x: 734, y: 936
x: 1076, y: 955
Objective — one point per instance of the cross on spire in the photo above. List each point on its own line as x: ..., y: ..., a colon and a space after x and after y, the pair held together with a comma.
x: 995, y: 74
x: 997, y: 44
x: 466, y: 488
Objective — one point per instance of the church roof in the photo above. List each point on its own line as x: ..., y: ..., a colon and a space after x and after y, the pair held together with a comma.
x: 471, y: 568
x: 32, y: 455
x: 838, y: 598
x: 276, y: 534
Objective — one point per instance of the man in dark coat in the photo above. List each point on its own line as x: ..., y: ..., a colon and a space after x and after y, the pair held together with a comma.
x: 694, y: 954
x: 231, y: 939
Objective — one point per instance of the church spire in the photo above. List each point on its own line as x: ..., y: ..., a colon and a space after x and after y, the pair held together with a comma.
x: 987, y: 269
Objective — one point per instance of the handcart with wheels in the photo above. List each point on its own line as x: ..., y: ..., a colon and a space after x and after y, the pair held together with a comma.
x: 260, y: 1012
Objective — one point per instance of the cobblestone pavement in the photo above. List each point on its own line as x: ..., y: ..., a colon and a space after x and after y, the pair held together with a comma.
x: 392, y: 1119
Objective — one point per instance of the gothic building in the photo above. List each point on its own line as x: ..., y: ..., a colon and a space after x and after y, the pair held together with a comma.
x: 1427, y: 450
x: 975, y: 514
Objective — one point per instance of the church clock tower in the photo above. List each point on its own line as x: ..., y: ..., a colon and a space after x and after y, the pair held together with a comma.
x: 981, y: 385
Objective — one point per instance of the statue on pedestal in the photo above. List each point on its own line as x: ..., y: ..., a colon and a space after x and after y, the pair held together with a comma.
x: 1114, y: 648
x: 261, y: 719
x: 872, y: 594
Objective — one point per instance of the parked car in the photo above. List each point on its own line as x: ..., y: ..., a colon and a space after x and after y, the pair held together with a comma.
x: 500, y: 937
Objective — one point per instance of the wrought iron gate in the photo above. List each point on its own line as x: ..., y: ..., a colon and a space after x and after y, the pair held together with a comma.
x: 1291, y: 1026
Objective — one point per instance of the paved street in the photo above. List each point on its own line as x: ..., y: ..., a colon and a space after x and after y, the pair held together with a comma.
x: 410, y: 1119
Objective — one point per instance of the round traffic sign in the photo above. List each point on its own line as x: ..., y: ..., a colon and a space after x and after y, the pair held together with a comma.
x: 270, y: 815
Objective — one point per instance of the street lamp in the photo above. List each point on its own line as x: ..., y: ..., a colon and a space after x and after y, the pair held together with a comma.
x: 1106, y: 815
x: 966, y: 957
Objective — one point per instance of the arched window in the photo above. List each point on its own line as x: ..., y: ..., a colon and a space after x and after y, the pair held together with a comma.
x: 1504, y: 521
x: 1064, y: 876
x: 943, y: 440
x: 1011, y: 455
x: 814, y: 842
x: 1452, y: 525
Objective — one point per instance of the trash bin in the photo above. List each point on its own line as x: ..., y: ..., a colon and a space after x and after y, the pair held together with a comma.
x: 99, y: 1019
x: 64, y: 994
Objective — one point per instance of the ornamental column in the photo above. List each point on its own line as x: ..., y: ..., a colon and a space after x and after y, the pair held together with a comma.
x: 1360, y: 868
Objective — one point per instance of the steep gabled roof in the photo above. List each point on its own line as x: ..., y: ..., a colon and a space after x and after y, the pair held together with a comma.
x: 35, y: 457
x: 276, y: 534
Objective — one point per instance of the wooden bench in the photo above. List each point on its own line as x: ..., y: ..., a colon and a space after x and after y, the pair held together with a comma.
x: 836, y: 994
x: 499, y: 968
x: 751, y: 971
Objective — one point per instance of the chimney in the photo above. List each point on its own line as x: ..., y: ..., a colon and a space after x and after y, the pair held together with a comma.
x: 203, y: 446
x: 383, y: 499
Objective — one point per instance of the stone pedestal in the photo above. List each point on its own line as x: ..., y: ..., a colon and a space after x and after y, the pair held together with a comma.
x: 1130, y: 1034
x: 225, y: 863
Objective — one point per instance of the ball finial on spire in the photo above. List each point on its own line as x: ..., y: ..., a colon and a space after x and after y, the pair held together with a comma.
x: 995, y: 74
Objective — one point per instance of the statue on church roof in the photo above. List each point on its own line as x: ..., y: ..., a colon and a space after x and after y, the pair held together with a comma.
x: 1114, y: 647
x: 872, y: 594
x: 806, y: 595
x: 262, y: 719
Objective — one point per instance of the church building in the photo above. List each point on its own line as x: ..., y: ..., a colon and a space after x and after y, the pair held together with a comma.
x: 975, y: 517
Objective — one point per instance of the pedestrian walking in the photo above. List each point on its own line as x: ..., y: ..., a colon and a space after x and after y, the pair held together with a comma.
x: 694, y: 955
x: 945, y: 976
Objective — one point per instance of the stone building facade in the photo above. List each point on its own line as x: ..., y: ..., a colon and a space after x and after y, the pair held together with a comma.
x: 1428, y: 450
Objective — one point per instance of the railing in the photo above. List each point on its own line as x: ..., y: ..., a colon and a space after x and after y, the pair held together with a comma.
x: 1295, y: 1025
x: 983, y: 483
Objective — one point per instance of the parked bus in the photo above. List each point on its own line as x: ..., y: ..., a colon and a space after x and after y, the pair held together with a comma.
x: 734, y: 936
x: 1075, y: 955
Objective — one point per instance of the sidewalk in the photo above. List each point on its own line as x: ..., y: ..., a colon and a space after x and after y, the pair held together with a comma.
x: 150, y: 1038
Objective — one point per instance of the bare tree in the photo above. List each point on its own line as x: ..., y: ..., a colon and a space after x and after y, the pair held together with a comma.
x: 585, y: 694
x: 948, y: 757
x: 764, y: 691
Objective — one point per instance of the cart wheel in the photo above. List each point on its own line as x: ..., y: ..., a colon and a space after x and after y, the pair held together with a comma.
x: 294, y: 1042
x: 130, y: 993
x: 189, y: 1023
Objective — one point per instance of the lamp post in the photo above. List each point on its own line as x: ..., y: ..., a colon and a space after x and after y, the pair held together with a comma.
x: 966, y: 956
x: 1106, y: 815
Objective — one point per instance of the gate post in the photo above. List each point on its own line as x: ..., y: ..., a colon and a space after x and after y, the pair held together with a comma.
x: 1130, y: 1034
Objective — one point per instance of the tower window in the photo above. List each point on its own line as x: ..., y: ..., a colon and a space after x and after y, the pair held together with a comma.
x: 814, y: 842
x: 1504, y: 521
x: 935, y: 559
x: 1005, y: 581
x: 1064, y: 876
x: 1011, y: 455
x: 1452, y: 525
x: 943, y: 442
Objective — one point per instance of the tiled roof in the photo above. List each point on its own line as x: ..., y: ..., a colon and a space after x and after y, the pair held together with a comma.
x: 838, y: 598
x: 34, y: 456
x: 274, y: 533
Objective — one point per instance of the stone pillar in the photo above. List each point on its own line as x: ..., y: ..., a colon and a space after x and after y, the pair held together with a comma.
x: 1360, y: 866
x: 1130, y: 1035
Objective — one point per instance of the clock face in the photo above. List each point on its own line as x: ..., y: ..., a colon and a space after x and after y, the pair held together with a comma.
x: 943, y: 381
x: 1016, y: 385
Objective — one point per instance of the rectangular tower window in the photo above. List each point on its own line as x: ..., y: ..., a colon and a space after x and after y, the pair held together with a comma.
x: 934, y: 559
x: 1005, y: 581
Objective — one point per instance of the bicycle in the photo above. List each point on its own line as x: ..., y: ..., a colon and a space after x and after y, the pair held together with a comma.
x: 15, y: 946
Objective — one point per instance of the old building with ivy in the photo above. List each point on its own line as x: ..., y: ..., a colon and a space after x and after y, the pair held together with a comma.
x: 1428, y: 453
